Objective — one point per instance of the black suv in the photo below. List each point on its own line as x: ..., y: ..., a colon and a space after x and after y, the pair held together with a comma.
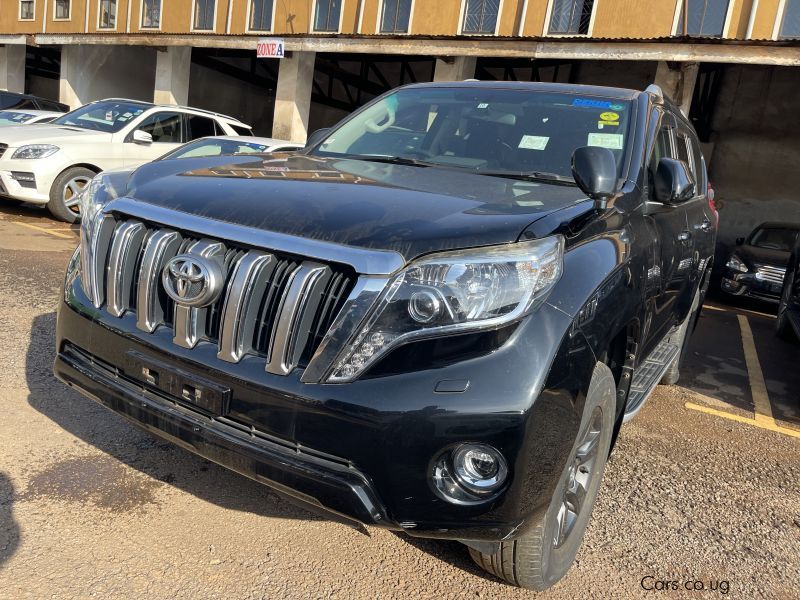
x: 15, y: 101
x: 756, y: 267
x: 434, y: 319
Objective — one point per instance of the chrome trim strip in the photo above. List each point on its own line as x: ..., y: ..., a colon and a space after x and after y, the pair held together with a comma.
x: 190, y: 323
x: 237, y: 323
x: 161, y: 246
x: 368, y: 262
x: 93, y: 257
x: 346, y: 326
x: 125, y: 247
x: 284, y: 331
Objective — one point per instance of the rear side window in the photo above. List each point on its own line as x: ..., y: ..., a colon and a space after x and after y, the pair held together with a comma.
x: 240, y: 130
x: 199, y: 127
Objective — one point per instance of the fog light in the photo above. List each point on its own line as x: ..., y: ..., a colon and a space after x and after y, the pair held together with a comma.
x: 469, y: 473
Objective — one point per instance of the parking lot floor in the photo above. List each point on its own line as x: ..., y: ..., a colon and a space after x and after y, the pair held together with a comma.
x: 702, y: 488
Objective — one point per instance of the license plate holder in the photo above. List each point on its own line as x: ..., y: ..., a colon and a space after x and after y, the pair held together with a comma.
x: 182, y: 386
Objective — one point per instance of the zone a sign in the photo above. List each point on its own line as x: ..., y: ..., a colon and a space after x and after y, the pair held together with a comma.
x: 270, y: 48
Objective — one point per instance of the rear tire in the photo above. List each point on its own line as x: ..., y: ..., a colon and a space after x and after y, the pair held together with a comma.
x: 63, y: 204
x: 545, y: 552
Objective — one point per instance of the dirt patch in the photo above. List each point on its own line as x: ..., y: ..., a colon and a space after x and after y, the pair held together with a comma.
x: 100, y: 480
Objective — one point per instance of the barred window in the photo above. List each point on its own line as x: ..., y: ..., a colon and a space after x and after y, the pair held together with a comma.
x: 706, y: 18
x: 204, y: 14
x: 108, y: 14
x: 151, y: 14
x: 26, y: 10
x: 790, y: 26
x: 326, y: 15
x: 261, y: 15
x: 571, y: 17
x: 62, y: 9
x: 396, y: 16
x: 480, y: 16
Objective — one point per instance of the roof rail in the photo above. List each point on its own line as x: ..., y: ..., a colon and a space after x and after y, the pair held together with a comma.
x: 655, y: 90
x: 200, y: 110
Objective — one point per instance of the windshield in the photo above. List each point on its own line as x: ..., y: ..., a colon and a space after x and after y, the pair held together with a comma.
x: 483, y: 129
x: 774, y: 238
x: 9, y: 117
x: 216, y: 147
x: 103, y: 116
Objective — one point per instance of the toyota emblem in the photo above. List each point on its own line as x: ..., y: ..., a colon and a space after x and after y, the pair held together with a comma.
x: 191, y: 280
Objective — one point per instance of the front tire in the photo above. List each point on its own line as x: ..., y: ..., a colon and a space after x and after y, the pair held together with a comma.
x: 545, y: 552
x: 63, y: 204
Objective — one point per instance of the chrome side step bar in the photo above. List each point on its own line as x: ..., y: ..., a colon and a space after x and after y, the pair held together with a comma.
x: 648, y: 374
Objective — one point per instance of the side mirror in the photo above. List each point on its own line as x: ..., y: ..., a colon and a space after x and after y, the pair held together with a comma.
x: 674, y: 182
x: 142, y: 137
x: 316, y: 137
x: 739, y: 241
x: 595, y: 172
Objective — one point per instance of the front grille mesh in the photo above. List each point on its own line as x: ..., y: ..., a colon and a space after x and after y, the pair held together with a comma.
x: 279, y: 310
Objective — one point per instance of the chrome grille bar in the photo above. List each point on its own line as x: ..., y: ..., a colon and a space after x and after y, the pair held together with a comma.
x: 122, y: 258
x: 288, y: 336
x: 245, y: 292
x: 162, y: 245
x: 190, y: 323
x: 93, y: 259
x: 770, y: 273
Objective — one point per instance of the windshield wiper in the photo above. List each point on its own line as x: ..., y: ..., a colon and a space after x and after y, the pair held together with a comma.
x: 392, y: 160
x: 531, y: 176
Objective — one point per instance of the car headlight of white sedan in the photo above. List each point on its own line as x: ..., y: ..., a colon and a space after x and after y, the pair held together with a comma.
x: 35, y: 151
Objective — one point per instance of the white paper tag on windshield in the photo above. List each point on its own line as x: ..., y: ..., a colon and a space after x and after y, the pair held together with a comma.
x: 612, y: 141
x: 533, y: 142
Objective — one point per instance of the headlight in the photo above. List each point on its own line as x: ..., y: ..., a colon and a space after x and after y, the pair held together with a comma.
x: 35, y: 151
x: 451, y: 293
x: 737, y: 264
x: 100, y: 191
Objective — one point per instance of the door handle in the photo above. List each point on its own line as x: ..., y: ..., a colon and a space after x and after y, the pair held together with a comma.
x: 685, y: 236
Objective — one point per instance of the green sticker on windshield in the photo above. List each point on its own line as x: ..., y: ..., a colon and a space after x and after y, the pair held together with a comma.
x: 612, y: 141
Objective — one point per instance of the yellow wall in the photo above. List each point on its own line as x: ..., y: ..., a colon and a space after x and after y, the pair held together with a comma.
x: 614, y: 18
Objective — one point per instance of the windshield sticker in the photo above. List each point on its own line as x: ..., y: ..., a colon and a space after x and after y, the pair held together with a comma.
x: 533, y: 142
x: 609, y: 116
x: 588, y: 103
x: 109, y: 116
x: 612, y: 141
x: 483, y: 105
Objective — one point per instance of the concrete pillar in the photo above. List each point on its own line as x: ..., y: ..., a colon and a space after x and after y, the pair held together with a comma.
x: 456, y: 68
x: 172, y: 75
x: 91, y: 72
x: 677, y: 80
x: 293, y: 97
x: 12, y: 68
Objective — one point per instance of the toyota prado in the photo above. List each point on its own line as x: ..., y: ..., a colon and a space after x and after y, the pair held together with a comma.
x: 434, y: 319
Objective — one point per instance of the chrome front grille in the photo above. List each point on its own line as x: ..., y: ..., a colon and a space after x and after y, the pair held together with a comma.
x: 274, y: 306
x: 3, y: 148
x: 770, y: 273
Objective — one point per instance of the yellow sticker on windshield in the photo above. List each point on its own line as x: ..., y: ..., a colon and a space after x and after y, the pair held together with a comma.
x: 609, y: 116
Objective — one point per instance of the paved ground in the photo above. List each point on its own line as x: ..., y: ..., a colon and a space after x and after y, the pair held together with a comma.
x: 91, y: 507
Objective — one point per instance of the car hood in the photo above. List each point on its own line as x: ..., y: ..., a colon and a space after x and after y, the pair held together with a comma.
x: 20, y: 135
x: 762, y: 256
x: 406, y: 209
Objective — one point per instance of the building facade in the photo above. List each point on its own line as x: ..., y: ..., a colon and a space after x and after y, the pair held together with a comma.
x: 730, y: 64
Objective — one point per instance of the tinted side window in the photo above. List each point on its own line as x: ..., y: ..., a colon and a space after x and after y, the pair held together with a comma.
x: 165, y: 127
x: 199, y: 127
x: 661, y: 148
x: 241, y: 130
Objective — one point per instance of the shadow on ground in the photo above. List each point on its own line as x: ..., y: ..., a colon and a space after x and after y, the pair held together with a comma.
x: 9, y: 530
x: 102, y: 479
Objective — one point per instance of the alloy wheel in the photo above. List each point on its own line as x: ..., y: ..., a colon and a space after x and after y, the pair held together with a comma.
x: 71, y: 193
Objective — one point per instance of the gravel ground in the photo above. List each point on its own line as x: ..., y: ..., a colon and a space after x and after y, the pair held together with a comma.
x: 92, y: 507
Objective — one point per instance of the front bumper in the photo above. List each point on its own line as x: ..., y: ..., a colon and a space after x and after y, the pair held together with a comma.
x: 11, y: 188
x: 749, y: 286
x: 363, y: 450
